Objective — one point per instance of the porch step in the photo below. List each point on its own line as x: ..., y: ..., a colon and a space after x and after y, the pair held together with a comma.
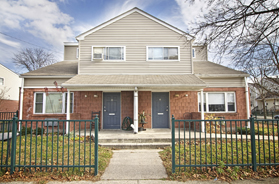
x: 135, y: 145
x: 136, y: 140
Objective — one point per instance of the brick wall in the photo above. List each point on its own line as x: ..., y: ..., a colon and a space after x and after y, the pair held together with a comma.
x: 145, y: 105
x: 127, y: 104
x: 84, y: 104
x: 9, y: 106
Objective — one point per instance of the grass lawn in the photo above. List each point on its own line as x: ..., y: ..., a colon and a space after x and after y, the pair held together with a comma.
x: 219, y: 153
x: 54, y: 150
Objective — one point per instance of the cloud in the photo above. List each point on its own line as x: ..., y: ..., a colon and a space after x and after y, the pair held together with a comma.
x: 41, y: 18
x: 4, y: 40
x: 189, y: 12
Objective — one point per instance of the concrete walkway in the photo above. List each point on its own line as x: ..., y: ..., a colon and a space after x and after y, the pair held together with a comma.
x: 135, y: 165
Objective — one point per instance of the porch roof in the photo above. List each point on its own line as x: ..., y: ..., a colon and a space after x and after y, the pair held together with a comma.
x: 185, y: 80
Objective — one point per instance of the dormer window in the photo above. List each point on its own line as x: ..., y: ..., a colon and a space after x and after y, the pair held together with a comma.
x: 162, y: 53
x: 109, y: 53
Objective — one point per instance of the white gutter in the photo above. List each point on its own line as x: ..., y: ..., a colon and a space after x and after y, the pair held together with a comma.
x: 133, y: 85
x: 47, y: 76
x: 247, y: 100
x: 136, y: 123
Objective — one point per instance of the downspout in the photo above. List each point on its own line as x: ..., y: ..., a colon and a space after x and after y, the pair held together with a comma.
x: 135, y: 125
x: 202, y: 112
x: 21, y: 101
x: 247, y: 100
x: 68, y: 111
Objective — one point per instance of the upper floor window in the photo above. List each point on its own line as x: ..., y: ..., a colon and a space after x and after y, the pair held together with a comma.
x: 109, y: 53
x: 52, y: 103
x: 1, y: 81
x: 218, y: 102
x: 163, y: 53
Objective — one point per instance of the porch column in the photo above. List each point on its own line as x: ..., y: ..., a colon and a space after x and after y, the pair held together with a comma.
x: 136, y: 110
x: 68, y: 111
x: 21, y: 102
x: 202, y: 112
x: 247, y: 101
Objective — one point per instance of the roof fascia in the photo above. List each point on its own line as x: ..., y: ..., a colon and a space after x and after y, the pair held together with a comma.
x: 46, y: 76
x: 221, y: 75
x: 83, y: 35
x: 70, y: 43
x: 133, y: 85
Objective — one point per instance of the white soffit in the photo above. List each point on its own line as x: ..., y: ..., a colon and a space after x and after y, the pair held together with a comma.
x: 83, y: 35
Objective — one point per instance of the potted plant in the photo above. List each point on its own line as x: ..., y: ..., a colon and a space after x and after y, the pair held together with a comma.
x: 142, y: 117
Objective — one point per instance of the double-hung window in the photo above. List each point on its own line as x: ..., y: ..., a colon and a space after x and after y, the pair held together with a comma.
x: 162, y: 53
x: 109, y: 53
x: 52, y: 103
x: 218, y: 102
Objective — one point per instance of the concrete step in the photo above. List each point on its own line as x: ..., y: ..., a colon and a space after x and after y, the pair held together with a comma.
x: 135, y: 145
x: 136, y: 140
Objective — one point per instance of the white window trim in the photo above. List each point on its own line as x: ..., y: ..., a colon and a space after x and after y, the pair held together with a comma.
x: 124, y: 59
x: 77, y: 54
x: 226, y: 105
x: 3, y: 81
x: 193, y: 53
x: 44, y: 102
x: 163, y: 47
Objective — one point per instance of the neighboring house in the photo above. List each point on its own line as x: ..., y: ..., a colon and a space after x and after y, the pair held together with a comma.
x: 9, y: 90
x: 258, y: 94
x: 131, y: 63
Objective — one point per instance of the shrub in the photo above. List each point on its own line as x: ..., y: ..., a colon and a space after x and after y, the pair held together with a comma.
x: 28, y: 131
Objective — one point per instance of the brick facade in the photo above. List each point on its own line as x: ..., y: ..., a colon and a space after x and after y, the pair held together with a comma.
x: 145, y: 105
x: 9, y: 105
x: 181, y: 102
x: 127, y: 104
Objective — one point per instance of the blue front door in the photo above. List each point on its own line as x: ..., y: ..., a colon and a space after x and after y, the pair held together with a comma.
x: 160, y: 110
x: 111, y: 110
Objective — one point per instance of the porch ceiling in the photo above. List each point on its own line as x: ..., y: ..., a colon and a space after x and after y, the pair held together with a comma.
x: 131, y: 81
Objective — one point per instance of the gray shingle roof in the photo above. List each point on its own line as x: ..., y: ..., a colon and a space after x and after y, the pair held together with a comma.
x: 210, y: 68
x: 130, y: 80
x: 63, y: 68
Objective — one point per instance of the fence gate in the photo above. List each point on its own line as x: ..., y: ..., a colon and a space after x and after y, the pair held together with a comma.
x: 226, y: 142
x: 44, y: 145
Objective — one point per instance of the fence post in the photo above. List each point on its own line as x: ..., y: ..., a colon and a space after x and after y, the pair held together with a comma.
x: 253, y: 144
x: 96, y: 144
x: 13, y: 152
x: 173, y: 143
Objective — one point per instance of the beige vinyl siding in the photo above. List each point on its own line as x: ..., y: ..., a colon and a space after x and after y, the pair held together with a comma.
x: 43, y: 82
x: 134, y: 31
x: 70, y: 52
x: 224, y: 82
x: 201, y: 53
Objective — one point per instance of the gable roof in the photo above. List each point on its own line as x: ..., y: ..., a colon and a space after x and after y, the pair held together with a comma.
x: 210, y: 69
x: 60, y: 69
x: 9, y: 70
x: 83, y: 35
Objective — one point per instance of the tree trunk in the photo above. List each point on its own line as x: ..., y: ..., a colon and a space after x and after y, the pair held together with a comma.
x: 264, y: 109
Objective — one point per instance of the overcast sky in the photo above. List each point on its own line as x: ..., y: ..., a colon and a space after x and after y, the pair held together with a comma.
x: 49, y: 23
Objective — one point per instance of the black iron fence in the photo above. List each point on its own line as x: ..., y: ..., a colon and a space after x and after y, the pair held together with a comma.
x: 210, y: 143
x: 43, y: 145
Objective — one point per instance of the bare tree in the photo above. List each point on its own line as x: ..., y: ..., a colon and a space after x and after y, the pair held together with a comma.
x: 245, y: 30
x: 33, y: 58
